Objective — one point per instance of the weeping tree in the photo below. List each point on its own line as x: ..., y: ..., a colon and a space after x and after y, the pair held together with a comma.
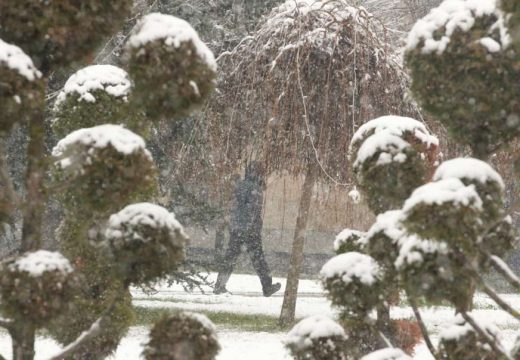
x: 292, y: 95
x: 448, y: 232
x: 99, y: 170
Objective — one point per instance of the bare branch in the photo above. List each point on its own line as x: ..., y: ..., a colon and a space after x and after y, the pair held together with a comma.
x: 500, y: 266
x: 89, y: 334
x: 485, y: 336
x: 422, y: 326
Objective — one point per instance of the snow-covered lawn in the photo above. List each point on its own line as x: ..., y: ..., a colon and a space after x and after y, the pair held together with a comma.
x: 246, y: 298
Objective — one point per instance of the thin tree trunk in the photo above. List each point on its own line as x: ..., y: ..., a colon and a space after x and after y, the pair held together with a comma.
x: 8, y: 197
x: 291, y: 289
x: 23, y: 338
x: 34, y: 205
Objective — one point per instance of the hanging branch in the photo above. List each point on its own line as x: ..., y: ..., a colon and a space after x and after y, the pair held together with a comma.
x: 485, y: 336
x: 422, y: 326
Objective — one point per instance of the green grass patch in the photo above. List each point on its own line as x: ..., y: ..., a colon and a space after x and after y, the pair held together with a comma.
x: 243, y: 322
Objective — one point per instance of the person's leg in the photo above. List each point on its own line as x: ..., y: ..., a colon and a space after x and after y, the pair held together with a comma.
x: 228, y: 263
x: 256, y: 253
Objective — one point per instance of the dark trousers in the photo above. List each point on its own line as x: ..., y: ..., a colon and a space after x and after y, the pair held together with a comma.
x: 253, y: 244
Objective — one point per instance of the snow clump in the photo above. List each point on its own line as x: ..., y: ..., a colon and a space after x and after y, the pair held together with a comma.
x: 15, y: 59
x: 85, y: 82
x: 456, y: 15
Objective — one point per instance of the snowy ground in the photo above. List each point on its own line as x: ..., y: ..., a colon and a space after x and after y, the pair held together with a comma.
x: 246, y: 299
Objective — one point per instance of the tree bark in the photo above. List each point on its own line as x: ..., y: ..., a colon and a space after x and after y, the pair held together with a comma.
x: 23, y: 337
x: 291, y: 289
x: 34, y: 205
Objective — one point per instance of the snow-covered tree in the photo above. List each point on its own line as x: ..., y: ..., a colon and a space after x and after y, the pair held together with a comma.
x: 441, y: 236
x: 99, y: 168
x: 291, y: 95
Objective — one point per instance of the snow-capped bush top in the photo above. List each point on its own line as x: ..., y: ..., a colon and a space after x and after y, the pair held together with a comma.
x: 303, y: 7
x: 468, y: 168
x: 350, y: 266
x: 121, y: 139
x: 397, y: 125
x: 455, y: 15
x: 347, y: 235
x: 202, y: 319
x: 444, y: 191
x: 36, y: 263
x: 387, y: 354
x: 142, y: 214
x: 173, y: 31
x: 388, y: 223
x: 459, y: 328
x: 312, y: 328
x: 390, y: 145
x: 15, y: 59
x: 111, y: 79
x: 412, y: 249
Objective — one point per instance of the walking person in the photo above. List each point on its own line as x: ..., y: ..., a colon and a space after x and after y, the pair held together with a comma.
x: 245, y: 229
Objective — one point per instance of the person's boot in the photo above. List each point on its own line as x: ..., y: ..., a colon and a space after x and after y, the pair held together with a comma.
x: 220, y: 284
x: 271, y: 289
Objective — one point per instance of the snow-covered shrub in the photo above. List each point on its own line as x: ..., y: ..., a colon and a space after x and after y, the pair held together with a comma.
x: 146, y: 241
x: 428, y: 268
x: 460, y: 341
x: 20, y: 87
x: 182, y: 336
x: 393, y: 155
x: 387, y: 354
x: 35, y: 287
x: 60, y: 32
x: 104, y: 166
x: 94, y: 95
x: 317, y: 338
x: 501, y: 238
x: 488, y: 184
x: 353, y: 282
x: 512, y: 7
x: 166, y: 50
x: 445, y: 210
x: 464, y: 72
x: 349, y: 240
x: 381, y: 240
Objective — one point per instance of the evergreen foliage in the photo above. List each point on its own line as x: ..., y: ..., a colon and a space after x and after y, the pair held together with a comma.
x: 183, y: 336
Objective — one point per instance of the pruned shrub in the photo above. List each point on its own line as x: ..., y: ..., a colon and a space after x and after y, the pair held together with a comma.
x: 20, y: 88
x: 349, y: 240
x: 464, y: 73
x: 35, y: 287
x: 163, y: 49
x: 317, y: 338
x: 183, y: 336
x: 86, y: 158
x: 95, y: 95
x: 393, y: 155
x: 146, y: 241
x: 60, y: 32
x: 353, y: 282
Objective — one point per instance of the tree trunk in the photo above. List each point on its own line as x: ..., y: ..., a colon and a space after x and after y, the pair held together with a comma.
x: 23, y: 338
x: 220, y: 241
x: 291, y: 289
x: 34, y: 205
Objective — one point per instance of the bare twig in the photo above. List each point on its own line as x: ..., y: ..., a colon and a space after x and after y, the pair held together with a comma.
x: 485, y: 336
x: 502, y: 268
x: 89, y: 334
x: 422, y: 326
